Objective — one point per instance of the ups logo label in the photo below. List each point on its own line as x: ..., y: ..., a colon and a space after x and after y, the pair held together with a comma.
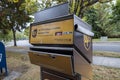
x: 87, y: 42
x: 34, y: 33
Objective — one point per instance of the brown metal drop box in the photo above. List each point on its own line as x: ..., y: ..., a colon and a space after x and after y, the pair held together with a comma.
x: 62, y: 44
x: 66, y: 31
x: 70, y: 64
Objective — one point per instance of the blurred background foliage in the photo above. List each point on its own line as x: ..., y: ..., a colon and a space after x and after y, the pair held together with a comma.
x: 102, y: 15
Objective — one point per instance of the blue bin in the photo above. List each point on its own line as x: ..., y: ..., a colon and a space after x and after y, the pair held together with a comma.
x: 3, y: 64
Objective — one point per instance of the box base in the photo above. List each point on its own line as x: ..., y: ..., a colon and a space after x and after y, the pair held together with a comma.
x: 48, y: 74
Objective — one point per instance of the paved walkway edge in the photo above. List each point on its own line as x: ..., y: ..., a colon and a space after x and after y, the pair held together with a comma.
x: 106, y: 61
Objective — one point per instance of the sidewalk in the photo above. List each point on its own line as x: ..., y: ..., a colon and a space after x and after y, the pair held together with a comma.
x: 106, y: 61
x: 22, y: 50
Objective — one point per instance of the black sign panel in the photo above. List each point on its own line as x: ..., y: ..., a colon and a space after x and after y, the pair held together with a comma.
x: 83, y: 44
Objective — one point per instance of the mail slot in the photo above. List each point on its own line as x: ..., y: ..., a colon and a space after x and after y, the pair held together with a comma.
x: 61, y: 45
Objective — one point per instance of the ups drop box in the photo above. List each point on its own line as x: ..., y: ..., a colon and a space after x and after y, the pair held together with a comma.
x: 62, y: 45
x: 68, y: 31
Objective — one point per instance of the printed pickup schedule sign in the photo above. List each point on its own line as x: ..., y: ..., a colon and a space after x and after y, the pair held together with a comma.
x: 60, y: 32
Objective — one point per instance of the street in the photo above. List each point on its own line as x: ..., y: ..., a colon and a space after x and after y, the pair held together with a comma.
x: 106, y: 46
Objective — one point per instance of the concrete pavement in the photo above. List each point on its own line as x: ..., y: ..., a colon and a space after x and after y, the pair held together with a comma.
x: 22, y: 43
x: 21, y: 50
x: 106, y: 61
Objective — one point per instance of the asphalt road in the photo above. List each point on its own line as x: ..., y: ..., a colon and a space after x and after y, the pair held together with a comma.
x: 106, y: 46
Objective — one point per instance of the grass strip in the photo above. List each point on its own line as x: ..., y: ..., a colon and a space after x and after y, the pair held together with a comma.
x: 105, y: 73
x: 106, y: 54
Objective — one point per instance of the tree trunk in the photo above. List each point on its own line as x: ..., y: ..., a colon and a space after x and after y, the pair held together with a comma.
x: 14, y: 36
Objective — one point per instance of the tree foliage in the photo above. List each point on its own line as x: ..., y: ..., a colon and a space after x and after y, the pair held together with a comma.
x: 116, y: 11
x: 26, y: 32
x: 104, y: 19
x: 115, y: 18
x: 76, y: 6
x: 91, y: 17
x: 14, y: 14
x: 98, y: 17
x: 5, y: 36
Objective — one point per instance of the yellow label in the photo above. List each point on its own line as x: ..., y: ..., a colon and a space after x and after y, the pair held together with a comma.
x: 60, y: 32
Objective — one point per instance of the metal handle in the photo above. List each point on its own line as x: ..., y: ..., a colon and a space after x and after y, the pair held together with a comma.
x: 52, y: 56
